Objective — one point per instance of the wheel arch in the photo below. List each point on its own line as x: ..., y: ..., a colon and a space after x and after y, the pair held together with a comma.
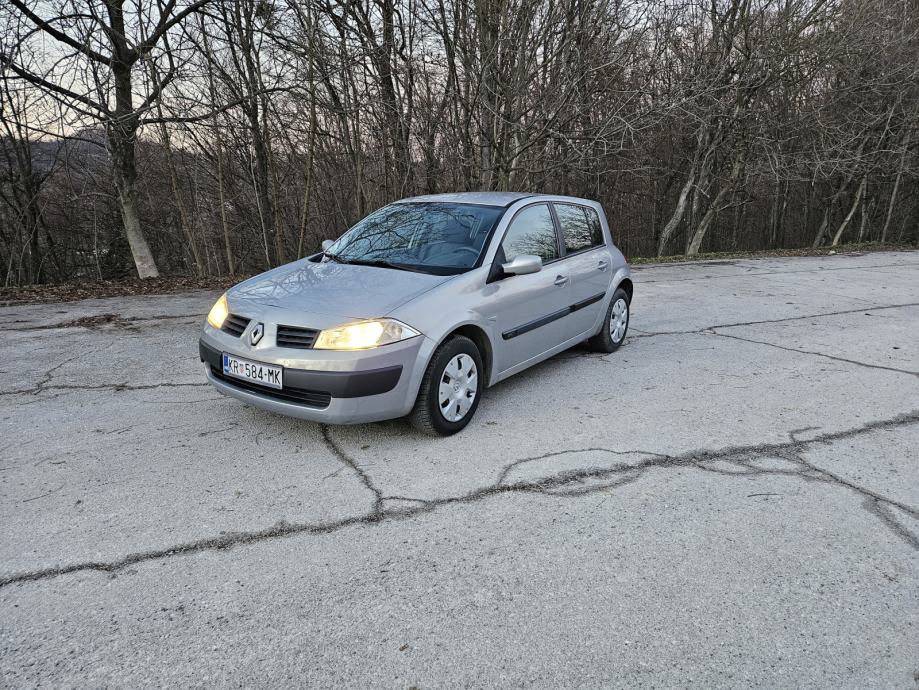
x: 626, y: 284
x: 478, y: 336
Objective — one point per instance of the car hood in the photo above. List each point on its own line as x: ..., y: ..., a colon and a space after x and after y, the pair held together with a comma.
x: 340, y: 290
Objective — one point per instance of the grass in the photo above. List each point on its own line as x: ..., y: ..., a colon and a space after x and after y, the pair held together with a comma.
x: 123, y: 287
x: 852, y: 248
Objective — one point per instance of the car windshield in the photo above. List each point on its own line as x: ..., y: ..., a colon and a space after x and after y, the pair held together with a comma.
x: 440, y: 238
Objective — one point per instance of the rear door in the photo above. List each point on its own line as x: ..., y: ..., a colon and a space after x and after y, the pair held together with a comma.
x: 529, y: 309
x: 586, y: 261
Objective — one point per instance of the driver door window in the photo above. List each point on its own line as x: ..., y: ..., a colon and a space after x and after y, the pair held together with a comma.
x: 531, y: 232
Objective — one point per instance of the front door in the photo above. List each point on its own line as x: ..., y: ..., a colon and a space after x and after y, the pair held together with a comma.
x: 529, y: 309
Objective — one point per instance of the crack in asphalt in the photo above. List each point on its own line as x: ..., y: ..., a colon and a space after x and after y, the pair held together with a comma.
x: 572, y: 483
x: 49, y: 375
x: 714, y: 330
x: 518, y: 463
x: 878, y: 507
x: 43, y: 386
x: 856, y: 362
x: 739, y: 324
x: 98, y: 321
x: 350, y: 462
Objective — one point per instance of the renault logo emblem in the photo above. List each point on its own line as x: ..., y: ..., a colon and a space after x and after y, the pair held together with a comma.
x: 256, y: 334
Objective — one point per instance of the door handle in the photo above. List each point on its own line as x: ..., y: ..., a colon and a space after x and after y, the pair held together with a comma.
x: 603, y: 265
x: 561, y: 280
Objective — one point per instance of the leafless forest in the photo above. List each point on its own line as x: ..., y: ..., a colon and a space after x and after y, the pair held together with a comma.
x: 216, y: 137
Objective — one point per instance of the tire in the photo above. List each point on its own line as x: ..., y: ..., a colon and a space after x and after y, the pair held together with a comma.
x: 612, y: 332
x: 435, y: 412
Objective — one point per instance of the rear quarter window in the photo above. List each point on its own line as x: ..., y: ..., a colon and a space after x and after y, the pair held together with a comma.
x: 596, y: 229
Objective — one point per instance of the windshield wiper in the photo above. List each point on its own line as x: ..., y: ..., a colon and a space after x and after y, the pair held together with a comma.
x: 382, y: 263
x: 335, y: 257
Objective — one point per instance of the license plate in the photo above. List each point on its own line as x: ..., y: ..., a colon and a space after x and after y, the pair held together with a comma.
x: 263, y: 374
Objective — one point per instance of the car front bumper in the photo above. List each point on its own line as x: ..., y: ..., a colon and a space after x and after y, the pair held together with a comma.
x: 335, y: 387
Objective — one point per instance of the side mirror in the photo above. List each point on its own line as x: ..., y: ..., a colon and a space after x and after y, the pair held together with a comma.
x: 523, y: 264
x: 326, y: 244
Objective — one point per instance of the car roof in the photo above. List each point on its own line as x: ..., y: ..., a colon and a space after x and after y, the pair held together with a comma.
x: 482, y: 198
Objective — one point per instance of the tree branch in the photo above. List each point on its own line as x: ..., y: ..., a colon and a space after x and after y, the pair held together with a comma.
x: 23, y: 73
x: 49, y: 29
x: 165, y: 24
x: 211, y: 113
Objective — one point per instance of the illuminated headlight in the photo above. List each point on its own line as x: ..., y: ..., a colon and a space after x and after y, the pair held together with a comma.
x: 362, y: 335
x: 218, y: 313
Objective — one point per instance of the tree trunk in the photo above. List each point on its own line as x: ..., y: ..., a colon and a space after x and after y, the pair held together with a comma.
x: 34, y: 250
x: 260, y: 207
x: 307, y: 186
x: 122, y: 135
x: 392, y: 110
x: 780, y: 234
x: 818, y: 240
x: 696, y: 242
x: 677, y: 216
x: 715, y: 207
x: 896, y: 189
x: 180, y: 204
x: 124, y: 169
x: 825, y: 223
x: 487, y: 18
x: 212, y: 91
x: 845, y: 222
x: 228, y: 247
x: 867, y: 211
x: 280, y: 252
x: 140, y: 250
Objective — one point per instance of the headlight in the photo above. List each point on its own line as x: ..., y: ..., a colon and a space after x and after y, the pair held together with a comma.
x: 218, y: 313
x: 364, y: 334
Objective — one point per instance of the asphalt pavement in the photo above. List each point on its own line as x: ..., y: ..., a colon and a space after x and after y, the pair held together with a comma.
x: 730, y: 500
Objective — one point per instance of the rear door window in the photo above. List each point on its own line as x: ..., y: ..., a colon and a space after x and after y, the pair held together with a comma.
x: 580, y: 227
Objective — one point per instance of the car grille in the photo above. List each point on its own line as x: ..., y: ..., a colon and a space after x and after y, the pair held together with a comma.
x: 300, y: 396
x: 234, y: 324
x: 291, y: 336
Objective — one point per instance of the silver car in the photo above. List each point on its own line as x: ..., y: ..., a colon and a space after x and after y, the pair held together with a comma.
x: 419, y: 307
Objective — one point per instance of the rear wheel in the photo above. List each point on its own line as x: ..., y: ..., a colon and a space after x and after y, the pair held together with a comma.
x: 450, y: 389
x: 615, y: 324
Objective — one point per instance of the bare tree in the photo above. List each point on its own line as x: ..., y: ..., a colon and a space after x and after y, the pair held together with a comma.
x: 242, y: 133
x: 92, y: 72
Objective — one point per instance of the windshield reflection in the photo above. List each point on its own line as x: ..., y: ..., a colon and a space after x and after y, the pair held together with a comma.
x: 441, y: 238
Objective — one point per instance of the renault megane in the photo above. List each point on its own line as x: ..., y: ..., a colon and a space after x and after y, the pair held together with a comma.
x: 419, y: 307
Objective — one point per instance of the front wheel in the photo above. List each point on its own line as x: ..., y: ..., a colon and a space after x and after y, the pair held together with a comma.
x: 615, y: 324
x: 450, y: 389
